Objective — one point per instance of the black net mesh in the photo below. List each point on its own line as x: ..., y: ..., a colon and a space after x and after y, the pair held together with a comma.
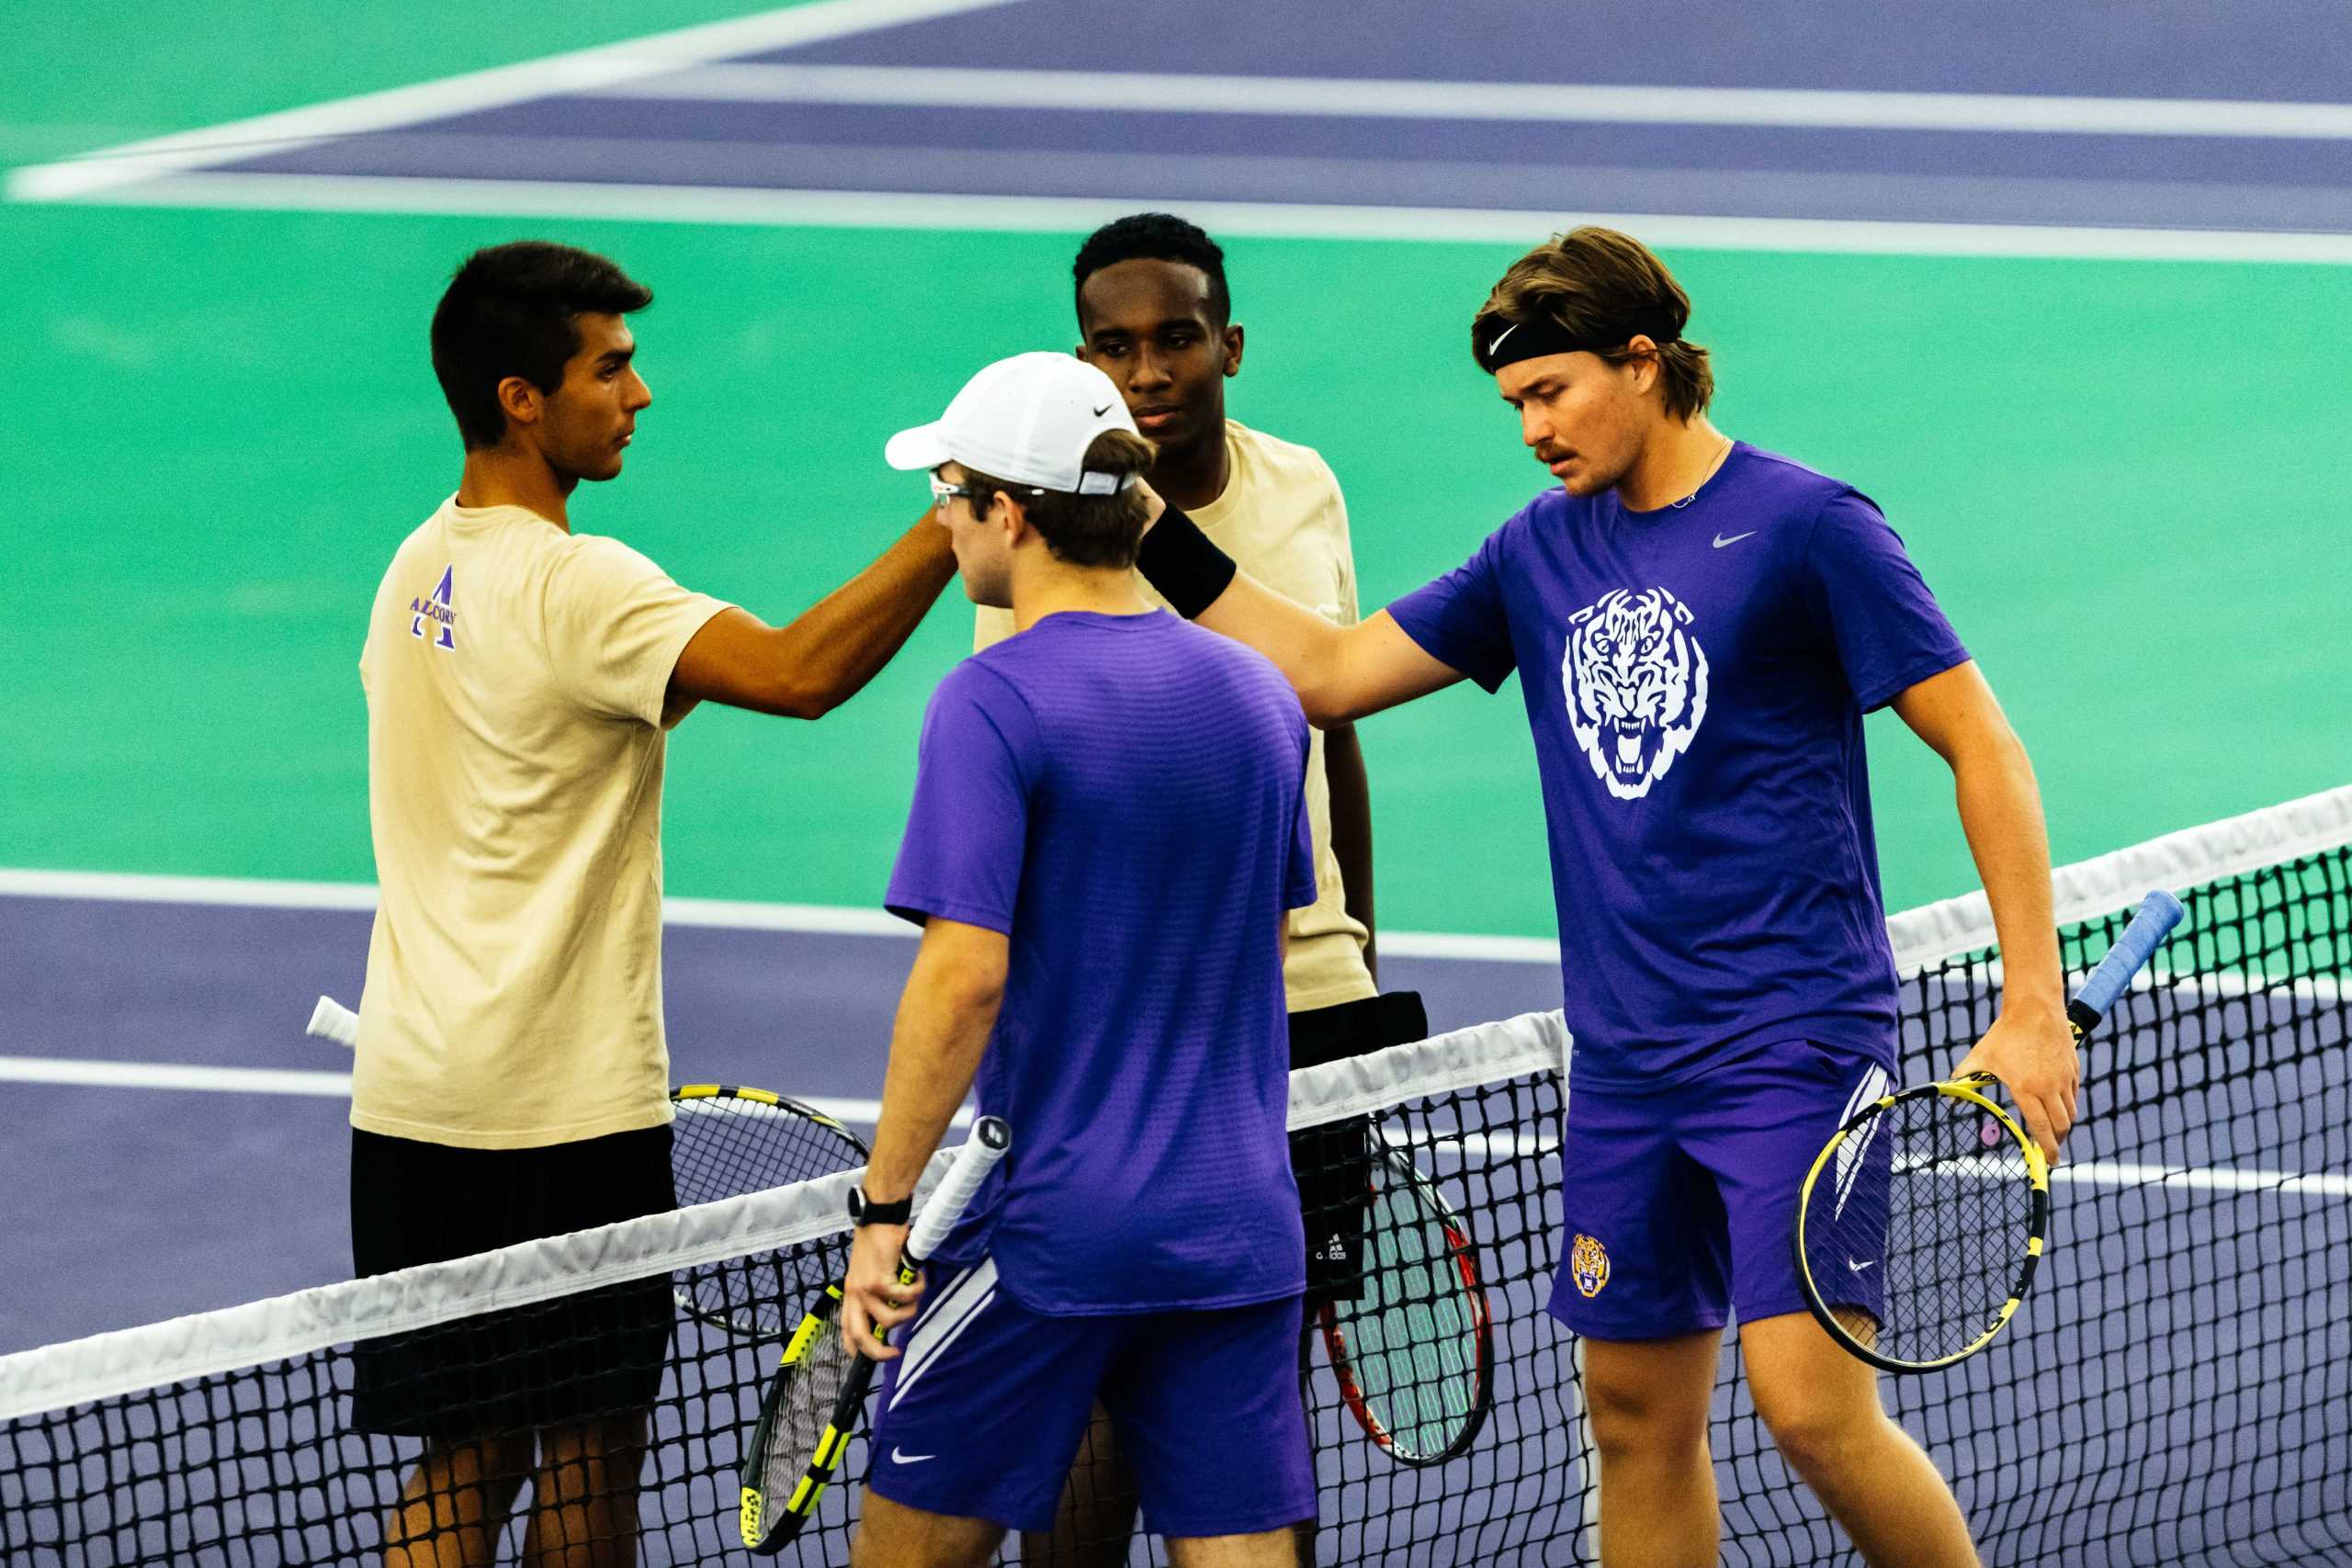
x: 2179, y: 1388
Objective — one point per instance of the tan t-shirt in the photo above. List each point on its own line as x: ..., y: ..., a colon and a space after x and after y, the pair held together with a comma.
x: 1281, y: 517
x: 516, y: 676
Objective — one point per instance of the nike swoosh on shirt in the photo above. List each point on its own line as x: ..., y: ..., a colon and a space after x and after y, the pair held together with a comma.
x: 1104, y: 410
x: 1858, y: 1267
x: 1721, y: 541
x: 897, y: 1458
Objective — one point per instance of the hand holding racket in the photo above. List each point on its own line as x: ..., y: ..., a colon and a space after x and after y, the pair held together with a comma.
x: 819, y: 1392
x: 2047, y: 1107
x: 1921, y: 1223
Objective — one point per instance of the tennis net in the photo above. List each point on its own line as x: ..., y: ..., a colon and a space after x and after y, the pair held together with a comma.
x: 2178, y: 1389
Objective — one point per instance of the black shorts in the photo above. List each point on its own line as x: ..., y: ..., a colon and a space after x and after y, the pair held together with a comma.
x: 1333, y: 1163
x: 550, y: 1364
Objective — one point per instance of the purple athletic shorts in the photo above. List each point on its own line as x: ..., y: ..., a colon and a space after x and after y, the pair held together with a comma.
x: 983, y: 1413
x: 1679, y: 1201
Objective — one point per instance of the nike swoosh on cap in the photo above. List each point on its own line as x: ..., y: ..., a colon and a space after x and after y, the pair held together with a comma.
x: 1104, y: 410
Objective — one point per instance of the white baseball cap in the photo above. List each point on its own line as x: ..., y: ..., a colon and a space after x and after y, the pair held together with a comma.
x: 1028, y: 419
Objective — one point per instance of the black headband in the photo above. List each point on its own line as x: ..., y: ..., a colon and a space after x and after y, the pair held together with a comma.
x: 1497, y: 341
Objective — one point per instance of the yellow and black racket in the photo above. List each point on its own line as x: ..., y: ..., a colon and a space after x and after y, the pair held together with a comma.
x: 728, y: 1140
x: 1922, y: 1221
x: 818, y: 1394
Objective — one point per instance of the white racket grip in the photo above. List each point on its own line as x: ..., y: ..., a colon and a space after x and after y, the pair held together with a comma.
x: 991, y: 1138
x: 333, y: 1020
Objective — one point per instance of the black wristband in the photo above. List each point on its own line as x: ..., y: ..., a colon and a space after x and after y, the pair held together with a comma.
x: 1178, y: 560
x: 863, y: 1210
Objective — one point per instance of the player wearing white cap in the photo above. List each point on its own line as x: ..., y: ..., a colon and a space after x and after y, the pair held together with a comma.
x: 1155, y: 313
x: 1107, y: 834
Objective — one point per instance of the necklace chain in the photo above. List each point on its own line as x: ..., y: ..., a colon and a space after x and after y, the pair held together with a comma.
x: 1711, y: 466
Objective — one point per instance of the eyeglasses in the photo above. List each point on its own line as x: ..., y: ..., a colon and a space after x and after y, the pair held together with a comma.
x: 941, y: 492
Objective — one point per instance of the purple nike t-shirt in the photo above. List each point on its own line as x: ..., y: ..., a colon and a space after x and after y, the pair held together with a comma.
x: 1124, y: 797
x: 1696, y: 679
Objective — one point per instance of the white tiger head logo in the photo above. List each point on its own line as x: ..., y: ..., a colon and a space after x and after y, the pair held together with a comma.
x: 1636, y: 686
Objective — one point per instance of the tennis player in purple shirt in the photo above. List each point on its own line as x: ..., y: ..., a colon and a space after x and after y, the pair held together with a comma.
x: 1109, y: 828
x: 1699, y: 628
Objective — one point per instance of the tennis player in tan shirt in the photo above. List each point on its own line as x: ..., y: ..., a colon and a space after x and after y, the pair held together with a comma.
x: 512, y: 1079
x: 1154, y: 314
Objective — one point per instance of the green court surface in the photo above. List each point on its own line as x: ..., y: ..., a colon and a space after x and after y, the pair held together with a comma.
x: 2125, y: 479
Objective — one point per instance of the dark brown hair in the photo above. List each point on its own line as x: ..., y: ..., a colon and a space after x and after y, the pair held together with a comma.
x: 514, y: 310
x: 1084, y: 530
x: 1603, y: 287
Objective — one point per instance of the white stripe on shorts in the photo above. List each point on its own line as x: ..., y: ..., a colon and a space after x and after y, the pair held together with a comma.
x: 963, y: 1301
x: 1849, y: 1154
x: 1868, y: 1089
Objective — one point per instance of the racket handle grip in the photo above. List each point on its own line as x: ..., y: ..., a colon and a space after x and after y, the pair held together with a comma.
x: 989, y: 1140
x: 2159, y: 913
x: 331, y: 1020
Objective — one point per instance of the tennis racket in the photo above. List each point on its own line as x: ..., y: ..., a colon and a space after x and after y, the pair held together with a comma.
x: 1922, y: 1221
x: 818, y: 1394
x: 726, y: 1141
x: 1415, y: 1353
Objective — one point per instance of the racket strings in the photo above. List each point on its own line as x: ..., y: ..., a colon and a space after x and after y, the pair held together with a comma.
x: 723, y: 1146
x: 806, y: 1405
x: 1916, y: 1230
x: 1412, y: 1337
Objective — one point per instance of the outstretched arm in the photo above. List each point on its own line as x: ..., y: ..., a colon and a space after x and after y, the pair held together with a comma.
x: 827, y: 654
x: 1340, y: 673
x: 944, y: 1016
x: 2029, y: 1047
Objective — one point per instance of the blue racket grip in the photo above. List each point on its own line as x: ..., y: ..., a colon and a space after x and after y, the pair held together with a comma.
x: 2159, y: 913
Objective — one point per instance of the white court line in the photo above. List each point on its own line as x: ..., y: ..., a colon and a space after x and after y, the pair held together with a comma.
x: 273, y: 1080
x: 723, y: 914
x: 2080, y: 1173
x: 861, y: 1112
x: 2128, y: 1173
x: 2200, y: 1178
x: 831, y: 920
x: 1572, y: 103
x: 760, y: 207
x: 605, y: 67
x: 168, y: 1075
x: 236, y: 892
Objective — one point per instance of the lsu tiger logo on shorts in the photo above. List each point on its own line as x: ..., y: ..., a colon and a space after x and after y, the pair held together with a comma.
x: 1636, y: 681
x: 1588, y: 1265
